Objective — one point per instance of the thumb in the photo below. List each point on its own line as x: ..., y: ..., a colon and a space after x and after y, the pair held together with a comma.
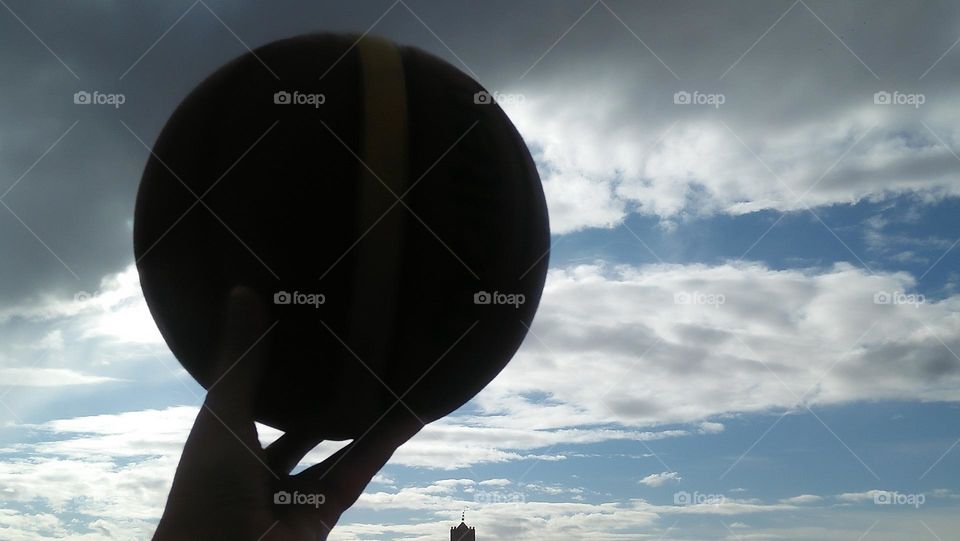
x: 343, y: 476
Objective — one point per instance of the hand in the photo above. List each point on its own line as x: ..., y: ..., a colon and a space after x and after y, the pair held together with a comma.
x: 226, y: 483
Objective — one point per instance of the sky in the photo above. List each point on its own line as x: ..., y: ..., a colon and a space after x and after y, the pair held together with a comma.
x: 751, y: 323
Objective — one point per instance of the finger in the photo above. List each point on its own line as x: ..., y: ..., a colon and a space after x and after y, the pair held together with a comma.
x: 222, y: 452
x: 343, y: 476
x: 288, y: 450
x: 244, y: 346
x: 226, y: 419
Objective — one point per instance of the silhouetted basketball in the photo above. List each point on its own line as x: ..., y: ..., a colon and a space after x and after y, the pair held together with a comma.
x: 260, y: 178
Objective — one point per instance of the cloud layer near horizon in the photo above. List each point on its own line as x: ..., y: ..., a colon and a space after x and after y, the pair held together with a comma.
x: 680, y: 345
x: 664, y: 343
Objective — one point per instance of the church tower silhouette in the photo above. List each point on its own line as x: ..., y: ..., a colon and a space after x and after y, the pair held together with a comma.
x: 463, y: 532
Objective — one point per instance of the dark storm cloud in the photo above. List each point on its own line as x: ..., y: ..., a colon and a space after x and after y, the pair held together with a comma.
x: 617, y: 64
x: 68, y: 219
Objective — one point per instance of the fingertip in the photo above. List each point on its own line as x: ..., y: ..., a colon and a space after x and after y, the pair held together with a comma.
x: 243, y: 300
x: 288, y: 450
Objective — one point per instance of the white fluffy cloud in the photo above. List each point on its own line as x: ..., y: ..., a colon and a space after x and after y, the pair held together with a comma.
x: 803, y: 499
x: 116, y: 311
x: 107, y: 326
x: 660, y: 479
x: 564, y: 516
x: 642, y: 346
x: 116, y: 469
x: 598, y: 166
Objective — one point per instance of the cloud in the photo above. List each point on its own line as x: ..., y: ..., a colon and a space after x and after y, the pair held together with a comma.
x: 116, y: 311
x: 464, y: 441
x: 598, y: 109
x: 644, y: 346
x: 660, y: 479
x: 111, y: 473
x: 114, y: 470
x: 595, y: 173
x: 56, y: 348
x: 381, y: 479
x: 711, y: 428
x: 495, y: 482
x: 47, y: 377
x: 858, y: 497
x: 610, y: 141
x: 778, y: 337
x: 803, y: 499
x: 599, y: 518
x: 527, y: 517
x: 86, y: 338
x: 666, y: 345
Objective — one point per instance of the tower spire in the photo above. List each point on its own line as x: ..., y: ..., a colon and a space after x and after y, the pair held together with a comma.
x: 463, y: 532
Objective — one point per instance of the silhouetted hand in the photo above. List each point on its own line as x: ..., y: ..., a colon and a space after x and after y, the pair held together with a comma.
x: 228, y: 487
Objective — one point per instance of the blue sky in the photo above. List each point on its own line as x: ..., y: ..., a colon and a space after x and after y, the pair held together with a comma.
x: 751, y: 323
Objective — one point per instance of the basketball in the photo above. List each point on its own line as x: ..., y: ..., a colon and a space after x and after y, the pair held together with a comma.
x: 380, y: 204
